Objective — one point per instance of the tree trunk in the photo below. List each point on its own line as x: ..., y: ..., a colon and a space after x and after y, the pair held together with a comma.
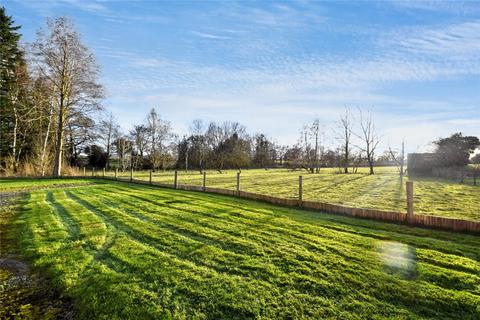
x: 347, y: 155
x: 45, y: 142
x: 14, y: 144
x: 108, y: 144
x: 186, y: 160
x: 57, y: 165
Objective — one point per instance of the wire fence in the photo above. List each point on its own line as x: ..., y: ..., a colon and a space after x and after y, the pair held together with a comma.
x: 373, y: 195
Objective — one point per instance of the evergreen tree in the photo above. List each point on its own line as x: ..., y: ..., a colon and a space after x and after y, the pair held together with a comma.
x: 11, y: 62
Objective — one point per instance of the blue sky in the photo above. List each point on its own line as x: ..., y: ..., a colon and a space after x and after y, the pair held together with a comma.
x: 274, y: 66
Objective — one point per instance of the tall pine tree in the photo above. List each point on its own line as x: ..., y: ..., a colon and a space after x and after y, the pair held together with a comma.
x: 11, y: 59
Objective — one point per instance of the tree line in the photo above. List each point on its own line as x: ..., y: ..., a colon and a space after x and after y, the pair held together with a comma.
x: 52, y: 120
x: 49, y: 99
x: 227, y: 145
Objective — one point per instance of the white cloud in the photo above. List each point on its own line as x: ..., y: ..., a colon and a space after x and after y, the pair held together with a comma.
x: 90, y: 6
x: 210, y: 36
x: 457, y: 7
x: 47, y: 7
x: 462, y: 39
x: 276, y: 93
x: 280, y: 113
x: 282, y: 15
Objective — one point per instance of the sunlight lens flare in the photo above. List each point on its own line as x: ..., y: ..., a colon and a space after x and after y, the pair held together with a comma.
x: 397, y: 256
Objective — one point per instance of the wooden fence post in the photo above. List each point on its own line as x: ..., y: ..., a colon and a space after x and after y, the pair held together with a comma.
x: 116, y: 171
x: 238, y: 183
x: 175, y: 179
x: 103, y: 173
x: 410, y: 201
x: 475, y: 178
x: 204, y: 181
x: 93, y: 170
x: 84, y: 173
x: 131, y: 174
x: 300, y: 190
x: 150, y: 176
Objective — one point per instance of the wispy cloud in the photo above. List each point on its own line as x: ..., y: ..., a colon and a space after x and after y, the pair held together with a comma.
x: 47, y: 7
x: 281, y: 15
x: 459, y: 39
x: 458, y: 7
x: 209, y: 36
x: 90, y: 6
x: 275, y: 66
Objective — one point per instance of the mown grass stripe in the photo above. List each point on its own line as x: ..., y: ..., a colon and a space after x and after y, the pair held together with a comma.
x: 357, y: 283
x: 427, y: 245
x: 174, y: 254
x: 378, y: 231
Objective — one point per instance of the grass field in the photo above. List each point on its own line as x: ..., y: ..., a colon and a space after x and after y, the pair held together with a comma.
x: 384, y: 190
x: 126, y: 251
x: 30, y: 184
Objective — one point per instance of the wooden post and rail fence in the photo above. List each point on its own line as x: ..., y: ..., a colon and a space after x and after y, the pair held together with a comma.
x: 409, y: 217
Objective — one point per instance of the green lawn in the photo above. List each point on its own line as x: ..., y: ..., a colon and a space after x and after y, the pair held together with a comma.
x: 29, y: 184
x: 384, y: 190
x: 126, y: 251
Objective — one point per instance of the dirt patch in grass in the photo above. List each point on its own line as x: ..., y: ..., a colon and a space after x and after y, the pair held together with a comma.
x: 24, y: 293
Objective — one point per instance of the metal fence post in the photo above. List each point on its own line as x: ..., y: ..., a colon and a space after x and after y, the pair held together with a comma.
x: 410, y: 201
x: 300, y: 190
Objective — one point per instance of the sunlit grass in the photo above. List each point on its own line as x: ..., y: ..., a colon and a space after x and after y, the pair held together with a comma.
x: 126, y: 251
x: 25, y: 184
x: 384, y: 190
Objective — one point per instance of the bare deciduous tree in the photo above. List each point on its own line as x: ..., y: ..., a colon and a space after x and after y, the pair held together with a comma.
x: 72, y: 73
x: 313, y: 150
x: 369, y: 138
x: 318, y: 149
x: 108, y: 129
x: 139, y: 136
x: 199, y: 144
x: 344, y: 135
x: 161, y: 136
x: 123, y: 146
x: 399, y: 159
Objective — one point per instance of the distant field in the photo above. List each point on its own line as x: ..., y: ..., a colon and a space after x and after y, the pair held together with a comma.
x: 125, y: 251
x: 384, y: 190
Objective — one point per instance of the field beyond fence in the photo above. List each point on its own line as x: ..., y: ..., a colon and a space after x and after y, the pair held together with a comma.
x: 425, y: 221
x: 437, y: 203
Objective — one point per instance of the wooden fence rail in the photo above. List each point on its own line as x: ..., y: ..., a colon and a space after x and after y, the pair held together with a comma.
x: 418, y: 220
x: 410, y: 218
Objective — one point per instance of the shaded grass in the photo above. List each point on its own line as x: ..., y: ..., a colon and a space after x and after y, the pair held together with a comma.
x: 24, y: 294
x: 125, y: 251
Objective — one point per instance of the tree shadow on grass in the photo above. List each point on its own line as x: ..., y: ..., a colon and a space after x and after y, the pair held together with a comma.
x: 398, y: 200
x: 339, y: 183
